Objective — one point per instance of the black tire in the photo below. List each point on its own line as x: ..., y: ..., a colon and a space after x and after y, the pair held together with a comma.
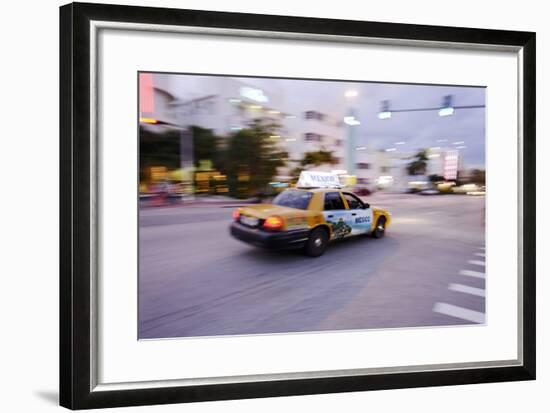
x: 380, y: 229
x: 316, y: 243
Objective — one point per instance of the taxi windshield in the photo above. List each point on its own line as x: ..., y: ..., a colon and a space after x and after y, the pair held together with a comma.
x: 293, y: 198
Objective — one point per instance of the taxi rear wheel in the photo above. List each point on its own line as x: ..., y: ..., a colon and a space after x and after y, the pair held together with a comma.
x: 380, y: 228
x: 317, y: 242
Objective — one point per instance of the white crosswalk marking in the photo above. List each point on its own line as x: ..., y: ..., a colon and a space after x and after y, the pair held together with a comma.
x: 461, y: 288
x: 459, y: 312
x: 470, y: 273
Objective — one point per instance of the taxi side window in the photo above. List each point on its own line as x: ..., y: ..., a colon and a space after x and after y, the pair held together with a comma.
x: 333, y: 201
x: 353, y: 201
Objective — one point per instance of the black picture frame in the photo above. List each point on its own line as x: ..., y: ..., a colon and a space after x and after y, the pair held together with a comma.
x: 75, y: 220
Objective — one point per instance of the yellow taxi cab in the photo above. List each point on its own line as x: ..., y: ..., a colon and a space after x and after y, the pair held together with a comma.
x: 316, y: 212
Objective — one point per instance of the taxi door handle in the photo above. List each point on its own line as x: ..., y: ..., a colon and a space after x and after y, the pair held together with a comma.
x: 353, y: 214
x: 330, y: 216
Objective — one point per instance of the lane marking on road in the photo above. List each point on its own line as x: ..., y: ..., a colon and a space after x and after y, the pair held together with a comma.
x: 476, y: 262
x: 480, y: 254
x: 459, y: 312
x: 405, y: 220
x: 471, y: 273
x: 461, y: 288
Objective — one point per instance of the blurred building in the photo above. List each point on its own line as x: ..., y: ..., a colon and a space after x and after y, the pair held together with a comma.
x: 226, y: 105
x: 314, y: 131
x: 222, y: 104
x: 384, y: 169
x: 445, y: 162
x: 374, y: 165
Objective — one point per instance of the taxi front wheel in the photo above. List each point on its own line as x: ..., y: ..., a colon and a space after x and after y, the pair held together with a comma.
x: 317, y: 242
x: 380, y: 228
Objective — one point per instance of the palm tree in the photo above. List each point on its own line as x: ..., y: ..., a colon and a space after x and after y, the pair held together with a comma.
x: 315, y: 158
x: 419, y: 163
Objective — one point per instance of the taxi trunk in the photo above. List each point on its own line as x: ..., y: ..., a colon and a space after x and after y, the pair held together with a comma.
x: 256, y: 215
x: 270, y: 226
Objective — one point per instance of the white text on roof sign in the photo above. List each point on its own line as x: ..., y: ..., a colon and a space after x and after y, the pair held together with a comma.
x: 309, y: 179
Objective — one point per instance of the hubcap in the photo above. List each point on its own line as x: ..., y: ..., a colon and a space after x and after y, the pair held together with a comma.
x: 317, y: 242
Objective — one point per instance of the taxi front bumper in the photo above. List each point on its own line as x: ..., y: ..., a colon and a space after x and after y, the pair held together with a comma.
x: 269, y: 239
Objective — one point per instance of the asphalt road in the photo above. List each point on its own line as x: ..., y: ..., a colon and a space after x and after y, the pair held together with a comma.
x: 196, y: 280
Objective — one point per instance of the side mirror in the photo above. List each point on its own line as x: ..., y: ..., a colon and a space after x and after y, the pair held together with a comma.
x: 366, y: 206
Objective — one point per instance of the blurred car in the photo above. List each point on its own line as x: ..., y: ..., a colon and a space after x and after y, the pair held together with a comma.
x: 361, y: 190
x: 384, y: 182
x: 430, y: 191
x: 417, y: 184
x: 308, y: 217
x: 473, y: 189
x: 445, y: 187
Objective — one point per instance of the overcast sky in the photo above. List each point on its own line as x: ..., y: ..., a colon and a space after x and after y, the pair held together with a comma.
x: 417, y: 129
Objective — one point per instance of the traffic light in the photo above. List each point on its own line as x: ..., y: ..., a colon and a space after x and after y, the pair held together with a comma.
x: 447, y: 106
x: 385, y: 112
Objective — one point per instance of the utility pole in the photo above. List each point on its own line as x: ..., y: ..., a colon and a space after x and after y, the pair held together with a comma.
x: 351, y: 121
x: 350, y: 142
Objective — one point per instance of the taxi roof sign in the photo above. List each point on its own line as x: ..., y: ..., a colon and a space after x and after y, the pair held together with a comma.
x: 312, y: 179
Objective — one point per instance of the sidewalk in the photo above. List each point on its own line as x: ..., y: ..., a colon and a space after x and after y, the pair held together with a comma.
x: 194, y: 201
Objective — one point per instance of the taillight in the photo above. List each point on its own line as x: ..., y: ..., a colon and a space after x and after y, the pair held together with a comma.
x: 273, y: 223
x: 236, y: 214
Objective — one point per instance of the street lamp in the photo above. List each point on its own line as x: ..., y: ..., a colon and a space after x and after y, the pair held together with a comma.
x: 351, y: 121
x: 447, y: 107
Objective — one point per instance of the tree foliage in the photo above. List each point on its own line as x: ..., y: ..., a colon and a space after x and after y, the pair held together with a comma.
x: 249, y: 157
x: 206, y: 146
x: 318, y: 158
x: 436, y: 178
x: 419, y: 163
x: 163, y: 148
x: 252, y: 158
x: 478, y: 176
x: 313, y: 159
x: 158, y: 149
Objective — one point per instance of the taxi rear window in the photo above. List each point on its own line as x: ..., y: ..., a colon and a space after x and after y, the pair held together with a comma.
x: 293, y: 199
x: 333, y: 201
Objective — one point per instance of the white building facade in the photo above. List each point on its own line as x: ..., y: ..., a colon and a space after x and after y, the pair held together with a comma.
x: 226, y: 105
